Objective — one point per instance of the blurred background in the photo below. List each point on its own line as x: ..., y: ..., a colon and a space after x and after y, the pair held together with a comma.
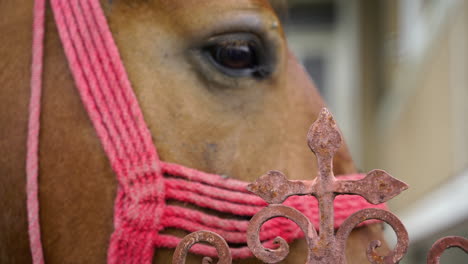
x: 395, y: 75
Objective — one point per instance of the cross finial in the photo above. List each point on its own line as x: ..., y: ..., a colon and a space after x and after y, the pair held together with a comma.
x: 324, y: 139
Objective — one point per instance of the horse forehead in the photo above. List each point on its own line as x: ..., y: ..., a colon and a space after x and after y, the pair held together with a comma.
x: 193, y: 17
x: 210, y: 5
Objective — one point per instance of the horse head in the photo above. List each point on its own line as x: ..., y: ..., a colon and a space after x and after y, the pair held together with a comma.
x: 218, y: 86
x: 219, y: 90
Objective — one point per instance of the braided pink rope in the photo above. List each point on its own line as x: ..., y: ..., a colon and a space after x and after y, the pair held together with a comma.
x: 145, y: 182
x: 32, y: 159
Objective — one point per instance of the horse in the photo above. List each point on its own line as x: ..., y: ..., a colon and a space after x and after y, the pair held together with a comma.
x: 219, y: 89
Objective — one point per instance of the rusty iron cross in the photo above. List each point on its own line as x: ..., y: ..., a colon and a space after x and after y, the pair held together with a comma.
x: 324, y: 140
x: 326, y: 247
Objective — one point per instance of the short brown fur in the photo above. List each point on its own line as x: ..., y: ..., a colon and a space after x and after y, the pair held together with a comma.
x: 240, y: 128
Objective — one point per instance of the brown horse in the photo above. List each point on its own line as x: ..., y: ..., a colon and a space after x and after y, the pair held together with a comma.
x: 190, y: 63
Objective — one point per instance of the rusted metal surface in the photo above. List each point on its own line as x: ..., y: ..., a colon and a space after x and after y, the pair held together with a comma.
x: 444, y: 243
x: 325, y: 247
x: 402, y: 236
x: 324, y: 140
x: 180, y: 253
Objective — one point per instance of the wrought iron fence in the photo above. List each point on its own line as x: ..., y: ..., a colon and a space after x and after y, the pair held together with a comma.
x: 326, y: 247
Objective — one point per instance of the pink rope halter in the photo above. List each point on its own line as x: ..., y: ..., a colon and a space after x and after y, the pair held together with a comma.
x: 144, y: 181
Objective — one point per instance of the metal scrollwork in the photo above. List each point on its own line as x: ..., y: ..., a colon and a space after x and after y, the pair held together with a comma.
x: 326, y: 247
x: 214, y: 239
x: 276, y: 255
x: 367, y: 214
x: 324, y: 140
x: 444, y: 243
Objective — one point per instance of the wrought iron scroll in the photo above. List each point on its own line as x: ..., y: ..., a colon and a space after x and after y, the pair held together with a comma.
x: 324, y: 139
x: 180, y: 254
x: 444, y: 243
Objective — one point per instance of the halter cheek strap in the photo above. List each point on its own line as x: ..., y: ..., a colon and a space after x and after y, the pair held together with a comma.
x: 145, y: 182
x: 32, y: 155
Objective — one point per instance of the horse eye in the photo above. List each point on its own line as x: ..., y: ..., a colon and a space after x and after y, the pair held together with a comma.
x: 235, y: 56
x: 238, y: 55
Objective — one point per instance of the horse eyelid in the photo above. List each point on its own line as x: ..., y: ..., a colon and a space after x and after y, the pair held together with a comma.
x: 260, y: 71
